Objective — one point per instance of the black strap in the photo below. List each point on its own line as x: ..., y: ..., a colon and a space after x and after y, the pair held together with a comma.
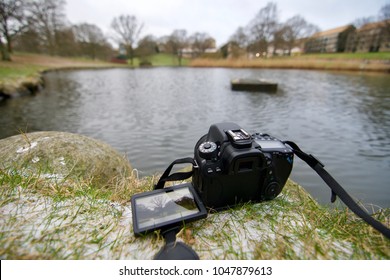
x: 175, y: 176
x: 337, y: 190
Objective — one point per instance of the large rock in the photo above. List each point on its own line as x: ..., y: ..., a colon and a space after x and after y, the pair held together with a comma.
x: 61, y: 155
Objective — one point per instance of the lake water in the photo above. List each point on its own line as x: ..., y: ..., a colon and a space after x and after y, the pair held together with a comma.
x: 157, y: 115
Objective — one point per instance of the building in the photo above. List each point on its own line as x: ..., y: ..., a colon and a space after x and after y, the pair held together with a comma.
x: 371, y: 37
x: 329, y: 41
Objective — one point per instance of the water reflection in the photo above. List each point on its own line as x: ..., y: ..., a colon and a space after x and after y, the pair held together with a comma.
x: 157, y: 115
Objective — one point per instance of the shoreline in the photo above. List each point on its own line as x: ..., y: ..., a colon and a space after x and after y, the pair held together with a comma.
x: 24, y: 75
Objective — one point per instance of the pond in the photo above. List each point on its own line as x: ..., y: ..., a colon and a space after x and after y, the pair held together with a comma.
x: 157, y: 115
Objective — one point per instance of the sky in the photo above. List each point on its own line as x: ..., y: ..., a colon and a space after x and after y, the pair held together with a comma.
x: 219, y: 18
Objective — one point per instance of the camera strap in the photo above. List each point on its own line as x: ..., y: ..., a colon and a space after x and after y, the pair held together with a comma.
x: 338, y: 190
x: 165, y: 177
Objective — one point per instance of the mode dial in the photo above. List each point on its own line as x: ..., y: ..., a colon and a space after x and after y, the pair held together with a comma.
x: 207, y: 150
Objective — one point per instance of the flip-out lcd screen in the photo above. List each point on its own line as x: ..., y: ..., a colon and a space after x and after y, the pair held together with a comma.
x: 166, y: 208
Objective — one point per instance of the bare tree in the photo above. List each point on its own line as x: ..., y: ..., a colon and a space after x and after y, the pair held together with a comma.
x: 359, y: 22
x: 240, y: 37
x: 128, y: 30
x: 297, y: 28
x: 147, y: 46
x: 200, y: 42
x: 177, y: 41
x: 263, y: 26
x: 384, y: 12
x: 159, y: 202
x: 90, y: 39
x: 238, y: 43
x: 384, y: 15
x: 279, y: 40
x: 12, y: 22
x: 47, y: 19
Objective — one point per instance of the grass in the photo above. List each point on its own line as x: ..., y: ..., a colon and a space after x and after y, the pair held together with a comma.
x: 348, y: 56
x: 293, y: 226
x: 375, y: 62
x: 43, y: 220
x: 85, y: 222
x: 163, y: 59
x: 14, y: 72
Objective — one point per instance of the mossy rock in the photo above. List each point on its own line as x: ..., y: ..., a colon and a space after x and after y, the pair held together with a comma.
x: 63, y: 156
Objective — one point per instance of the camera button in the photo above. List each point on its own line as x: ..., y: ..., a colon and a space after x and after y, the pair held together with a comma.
x: 209, y: 170
x: 218, y: 169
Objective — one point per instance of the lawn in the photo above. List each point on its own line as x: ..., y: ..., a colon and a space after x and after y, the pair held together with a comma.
x: 368, y: 62
x: 163, y: 59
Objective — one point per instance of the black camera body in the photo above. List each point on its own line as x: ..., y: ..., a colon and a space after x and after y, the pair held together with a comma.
x: 236, y: 167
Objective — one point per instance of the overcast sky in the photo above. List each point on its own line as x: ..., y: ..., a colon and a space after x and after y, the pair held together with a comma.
x: 219, y: 18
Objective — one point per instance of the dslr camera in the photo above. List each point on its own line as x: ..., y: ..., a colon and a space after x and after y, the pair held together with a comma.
x: 230, y: 166
x: 236, y: 167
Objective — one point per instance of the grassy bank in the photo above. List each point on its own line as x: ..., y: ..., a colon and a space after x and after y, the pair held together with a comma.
x: 29, y: 65
x: 44, y: 218
x: 23, y: 75
x: 373, y: 62
x: 163, y: 59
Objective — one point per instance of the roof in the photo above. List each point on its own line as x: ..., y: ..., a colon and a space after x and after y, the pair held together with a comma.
x: 333, y: 31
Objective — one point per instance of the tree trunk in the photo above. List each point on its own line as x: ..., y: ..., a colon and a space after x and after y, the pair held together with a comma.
x: 179, y: 56
x: 9, y: 44
x: 130, y: 54
x: 5, y: 56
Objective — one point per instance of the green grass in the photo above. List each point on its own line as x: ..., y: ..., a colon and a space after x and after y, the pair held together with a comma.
x: 9, y: 73
x: 163, y: 59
